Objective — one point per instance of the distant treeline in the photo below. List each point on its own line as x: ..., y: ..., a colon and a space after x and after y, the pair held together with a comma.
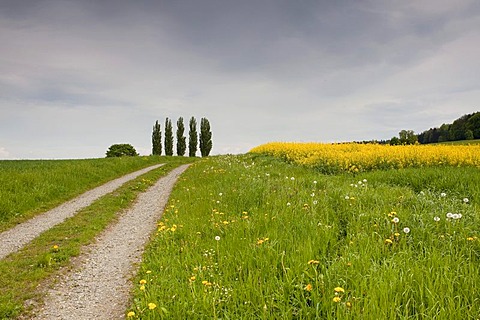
x: 466, y: 127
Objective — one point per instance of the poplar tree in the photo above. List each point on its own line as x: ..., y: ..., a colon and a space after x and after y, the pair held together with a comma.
x: 168, y: 138
x: 181, y: 139
x: 205, y: 137
x: 156, y: 140
x: 192, y: 137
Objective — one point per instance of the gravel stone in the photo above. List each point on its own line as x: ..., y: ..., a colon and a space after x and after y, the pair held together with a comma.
x: 99, y: 286
x: 16, y: 238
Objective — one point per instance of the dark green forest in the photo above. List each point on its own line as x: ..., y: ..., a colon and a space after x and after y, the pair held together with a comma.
x: 467, y: 127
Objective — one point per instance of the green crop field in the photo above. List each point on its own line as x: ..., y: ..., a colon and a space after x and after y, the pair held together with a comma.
x: 461, y: 142
x: 250, y: 236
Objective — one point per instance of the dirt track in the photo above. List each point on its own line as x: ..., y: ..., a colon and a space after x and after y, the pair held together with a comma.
x: 99, y: 286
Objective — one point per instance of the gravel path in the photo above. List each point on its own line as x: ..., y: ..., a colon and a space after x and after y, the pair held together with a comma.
x: 14, y: 239
x: 99, y: 287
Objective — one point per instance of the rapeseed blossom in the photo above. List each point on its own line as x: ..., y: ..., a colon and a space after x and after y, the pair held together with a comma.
x: 353, y: 157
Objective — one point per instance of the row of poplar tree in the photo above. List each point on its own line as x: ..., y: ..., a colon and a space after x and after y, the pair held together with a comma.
x: 194, y: 139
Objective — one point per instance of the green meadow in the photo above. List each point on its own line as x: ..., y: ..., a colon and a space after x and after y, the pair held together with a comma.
x: 28, y: 187
x: 254, y: 237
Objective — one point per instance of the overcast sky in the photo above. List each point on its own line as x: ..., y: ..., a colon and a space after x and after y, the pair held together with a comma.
x: 78, y: 76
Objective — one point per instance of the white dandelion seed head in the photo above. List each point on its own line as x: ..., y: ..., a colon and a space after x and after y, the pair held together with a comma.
x: 217, y: 238
x: 465, y: 200
x: 395, y: 220
x: 289, y: 204
x: 313, y: 194
x: 220, y: 194
x: 406, y: 229
x: 315, y: 202
x: 347, y: 197
x: 364, y: 180
x: 315, y: 181
x: 436, y: 219
x: 443, y: 194
x: 292, y: 178
x: 449, y: 215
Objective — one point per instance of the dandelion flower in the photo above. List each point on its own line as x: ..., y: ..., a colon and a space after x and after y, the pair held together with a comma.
x: 313, y: 262
x: 443, y: 194
x: 470, y: 238
x: 337, y: 299
x: 364, y: 180
x: 406, y: 229
x: 131, y: 314
x: 395, y: 220
x: 217, y: 238
x: 436, y: 219
x: 347, y: 197
x: 308, y: 287
x: 348, y: 304
x: 449, y: 215
x: 152, y: 306
x: 142, y: 288
x: 339, y: 290
x: 388, y: 241
x: 315, y: 181
x: 289, y: 204
x: 143, y: 281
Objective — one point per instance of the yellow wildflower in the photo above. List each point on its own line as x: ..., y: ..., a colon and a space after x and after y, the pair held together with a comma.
x: 152, y: 306
x: 308, y: 287
x: 339, y: 290
x: 143, y: 281
x: 131, y: 314
x: 388, y: 241
x: 142, y: 288
x: 337, y: 299
x: 313, y: 262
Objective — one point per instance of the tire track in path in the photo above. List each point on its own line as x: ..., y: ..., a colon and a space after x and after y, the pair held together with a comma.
x: 17, y: 237
x: 99, y: 287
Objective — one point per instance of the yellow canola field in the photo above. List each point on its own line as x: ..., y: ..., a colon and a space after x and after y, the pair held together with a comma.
x: 356, y: 157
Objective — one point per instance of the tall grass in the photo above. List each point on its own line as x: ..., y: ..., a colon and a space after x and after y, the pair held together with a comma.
x: 31, y: 186
x: 247, y: 237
